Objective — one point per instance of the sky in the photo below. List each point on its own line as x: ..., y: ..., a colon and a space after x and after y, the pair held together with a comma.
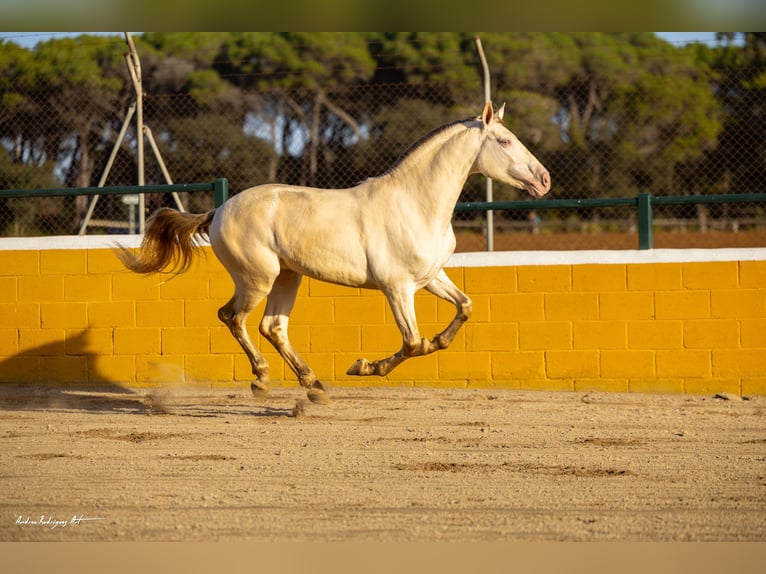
x: 681, y: 38
x: 29, y: 39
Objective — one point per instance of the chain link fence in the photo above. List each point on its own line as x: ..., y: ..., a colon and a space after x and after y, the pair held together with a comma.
x: 637, y: 139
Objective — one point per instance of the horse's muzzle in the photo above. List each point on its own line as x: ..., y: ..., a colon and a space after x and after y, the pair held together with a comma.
x: 541, y: 185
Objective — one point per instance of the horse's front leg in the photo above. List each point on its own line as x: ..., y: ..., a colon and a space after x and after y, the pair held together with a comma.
x: 403, y: 306
x: 402, y: 303
x: 444, y: 288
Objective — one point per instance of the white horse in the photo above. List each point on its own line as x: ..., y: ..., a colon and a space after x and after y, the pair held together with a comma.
x: 391, y: 233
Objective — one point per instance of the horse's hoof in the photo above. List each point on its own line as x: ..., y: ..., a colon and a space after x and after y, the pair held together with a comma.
x: 360, y: 368
x: 259, y: 390
x: 317, y: 394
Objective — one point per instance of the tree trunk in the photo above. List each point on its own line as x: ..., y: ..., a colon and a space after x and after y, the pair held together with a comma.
x: 703, y: 214
x: 314, y: 139
x: 83, y: 179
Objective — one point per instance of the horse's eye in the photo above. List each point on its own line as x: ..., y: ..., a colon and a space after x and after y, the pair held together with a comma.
x: 504, y: 142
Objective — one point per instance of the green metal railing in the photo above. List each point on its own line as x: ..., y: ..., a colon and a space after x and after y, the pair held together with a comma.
x: 219, y: 187
x: 643, y: 202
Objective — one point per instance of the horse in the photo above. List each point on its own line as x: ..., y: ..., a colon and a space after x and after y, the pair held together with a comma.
x: 392, y: 232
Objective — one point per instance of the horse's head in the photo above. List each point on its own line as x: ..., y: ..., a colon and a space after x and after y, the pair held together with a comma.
x: 504, y: 158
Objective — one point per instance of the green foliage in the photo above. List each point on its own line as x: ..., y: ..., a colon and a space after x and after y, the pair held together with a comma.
x: 21, y: 215
x: 534, y: 62
x: 201, y: 48
x: 413, y: 118
x: 740, y: 88
x: 207, y: 146
x: 204, y: 86
x: 608, y: 113
x: 20, y: 175
x: 442, y: 64
x: 286, y: 60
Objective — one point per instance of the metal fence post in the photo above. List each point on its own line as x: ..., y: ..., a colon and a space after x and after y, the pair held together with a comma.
x: 645, y: 239
x: 221, y: 191
x: 490, y: 216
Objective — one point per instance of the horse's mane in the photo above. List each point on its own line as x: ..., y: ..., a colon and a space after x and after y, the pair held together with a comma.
x: 421, y: 142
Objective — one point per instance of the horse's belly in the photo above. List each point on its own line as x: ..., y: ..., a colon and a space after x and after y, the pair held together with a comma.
x: 326, y: 260
x: 329, y: 273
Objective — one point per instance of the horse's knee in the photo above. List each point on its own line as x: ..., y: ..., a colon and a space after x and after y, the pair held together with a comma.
x: 267, y: 328
x: 224, y: 315
x: 465, y: 310
x: 273, y: 330
x: 416, y: 348
x: 409, y: 348
x: 264, y: 328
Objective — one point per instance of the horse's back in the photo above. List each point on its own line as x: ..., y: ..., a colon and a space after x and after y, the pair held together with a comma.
x: 315, y: 232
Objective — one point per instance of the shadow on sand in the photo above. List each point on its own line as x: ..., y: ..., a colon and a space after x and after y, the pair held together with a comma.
x: 27, y: 380
x: 25, y: 384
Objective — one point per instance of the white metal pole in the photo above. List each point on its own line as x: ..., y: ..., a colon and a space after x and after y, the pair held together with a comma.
x: 135, y: 74
x: 489, y: 194
x: 163, y: 167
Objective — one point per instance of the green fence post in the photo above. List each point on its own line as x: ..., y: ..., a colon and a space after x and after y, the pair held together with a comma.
x: 645, y: 228
x: 221, y: 191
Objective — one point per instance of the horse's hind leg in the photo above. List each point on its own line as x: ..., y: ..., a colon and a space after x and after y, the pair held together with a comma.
x: 234, y: 315
x: 274, y: 328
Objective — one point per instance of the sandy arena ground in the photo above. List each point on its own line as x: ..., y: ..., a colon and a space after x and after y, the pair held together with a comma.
x: 380, y: 464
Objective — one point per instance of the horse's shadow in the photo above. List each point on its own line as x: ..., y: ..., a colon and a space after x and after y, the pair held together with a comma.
x: 23, y: 387
x: 25, y: 380
x: 101, y: 398
x: 117, y: 399
x: 263, y: 411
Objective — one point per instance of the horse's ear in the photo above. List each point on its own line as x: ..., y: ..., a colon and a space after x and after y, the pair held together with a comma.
x: 486, y: 115
x: 501, y: 111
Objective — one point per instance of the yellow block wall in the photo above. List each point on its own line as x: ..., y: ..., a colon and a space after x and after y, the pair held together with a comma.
x: 76, y: 317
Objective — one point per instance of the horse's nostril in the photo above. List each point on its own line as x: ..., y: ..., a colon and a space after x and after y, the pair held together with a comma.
x: 545, y: 179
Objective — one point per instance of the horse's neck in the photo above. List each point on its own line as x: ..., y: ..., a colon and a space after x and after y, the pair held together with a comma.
x: 434, y: 176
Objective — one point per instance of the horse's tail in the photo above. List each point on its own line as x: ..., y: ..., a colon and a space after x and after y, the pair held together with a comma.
x: 168, y: 242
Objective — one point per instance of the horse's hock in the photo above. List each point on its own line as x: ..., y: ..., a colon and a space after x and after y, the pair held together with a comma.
x: 659, y: 321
